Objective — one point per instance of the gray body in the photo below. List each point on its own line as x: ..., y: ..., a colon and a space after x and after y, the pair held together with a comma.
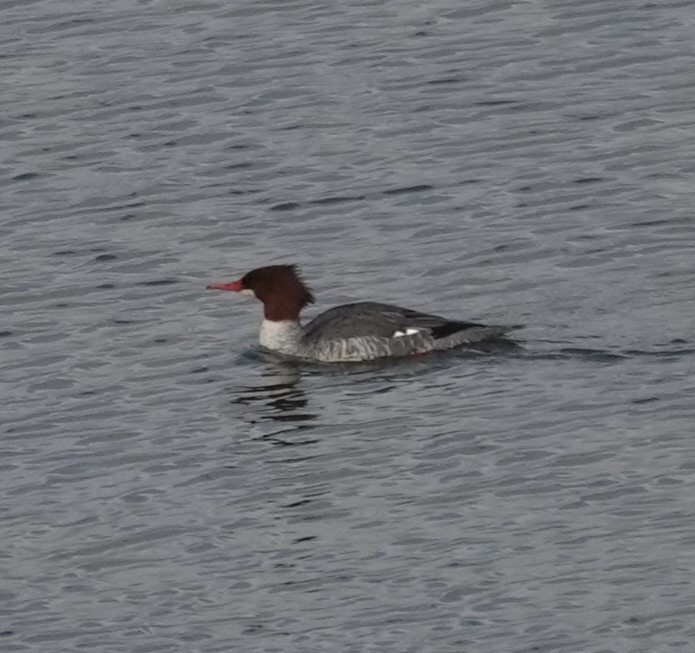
x: 370, y: 330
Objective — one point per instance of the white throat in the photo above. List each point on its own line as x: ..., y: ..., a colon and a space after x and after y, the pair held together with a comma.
x: 283, y: 336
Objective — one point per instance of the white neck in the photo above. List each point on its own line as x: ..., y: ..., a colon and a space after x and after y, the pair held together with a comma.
x: 283, y: 336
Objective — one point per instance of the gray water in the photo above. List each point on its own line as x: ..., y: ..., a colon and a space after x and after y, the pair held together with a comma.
x: 165, y: 487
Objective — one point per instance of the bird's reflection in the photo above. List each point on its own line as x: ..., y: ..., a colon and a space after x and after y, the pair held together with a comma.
x: 278, y: 397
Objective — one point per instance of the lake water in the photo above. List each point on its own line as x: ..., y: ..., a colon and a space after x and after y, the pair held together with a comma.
x: 166, y: 487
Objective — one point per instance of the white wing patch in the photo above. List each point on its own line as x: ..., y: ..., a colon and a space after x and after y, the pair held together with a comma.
x: 409, y: 331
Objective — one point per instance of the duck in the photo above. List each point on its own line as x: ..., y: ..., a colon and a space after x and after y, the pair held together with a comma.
x: 360, y: 331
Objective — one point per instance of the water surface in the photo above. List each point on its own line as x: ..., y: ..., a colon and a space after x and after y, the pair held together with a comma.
x: 166, y: 487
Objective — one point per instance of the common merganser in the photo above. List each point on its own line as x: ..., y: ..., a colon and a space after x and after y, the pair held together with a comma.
x: 352, y: 332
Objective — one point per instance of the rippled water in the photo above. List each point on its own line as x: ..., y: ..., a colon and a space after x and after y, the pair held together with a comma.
x: 167, y: 487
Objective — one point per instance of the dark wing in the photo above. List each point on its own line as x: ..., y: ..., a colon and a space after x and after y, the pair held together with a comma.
x: 381, y: 320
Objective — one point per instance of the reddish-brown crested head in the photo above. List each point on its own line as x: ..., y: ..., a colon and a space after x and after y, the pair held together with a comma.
x: 279, y: 287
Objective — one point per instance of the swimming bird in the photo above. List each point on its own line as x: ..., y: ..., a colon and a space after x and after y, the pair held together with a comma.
x: 351, y: 332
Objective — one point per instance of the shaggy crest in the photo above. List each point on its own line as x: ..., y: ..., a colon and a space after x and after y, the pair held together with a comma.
x: 281, y: 289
